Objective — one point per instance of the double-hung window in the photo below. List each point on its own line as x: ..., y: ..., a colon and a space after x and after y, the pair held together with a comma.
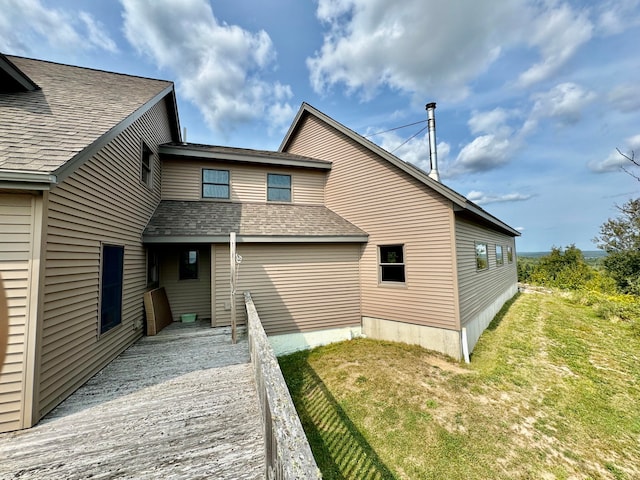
x: 392, y: 263
x: 215, y: 183
x: 278, y: 188
x: 146, y: 167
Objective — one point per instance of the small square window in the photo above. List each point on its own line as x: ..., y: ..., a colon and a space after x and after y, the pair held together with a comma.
x: 482, y: 257
x: 392, y: 263
x: 215, y: 183
x: 499, y: 257
x: 509, y: 254
x: 278, y: 188
x: 146, y: 169
x: 188, y: 269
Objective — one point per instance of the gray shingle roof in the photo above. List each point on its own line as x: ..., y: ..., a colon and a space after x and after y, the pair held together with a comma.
x: 203, y: 221
x: 43, y: 129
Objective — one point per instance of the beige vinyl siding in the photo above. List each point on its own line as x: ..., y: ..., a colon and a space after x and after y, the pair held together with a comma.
x: 294, y: 287
x: 393, y: 208
x: 102, y: 202
x: 479, y: 288
x: 16, y: 228
x: 186, y: 296
x: 182, y: 180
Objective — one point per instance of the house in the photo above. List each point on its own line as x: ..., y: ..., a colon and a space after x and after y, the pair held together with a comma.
x: 79, y: 180
x: 101, y: 201
x: 436, y: 267
x: 338, y: 238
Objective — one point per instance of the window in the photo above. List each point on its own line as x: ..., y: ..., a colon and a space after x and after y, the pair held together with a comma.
x: 482, y: 257
x: 188, y: 269
x: 499, y: 257
x: 146, y: 170
x: 392, y: 263
x: 215, y: 183
x: 111, y: 287
x: 278, y: 188
x: 152, y: 268
x: 509, y: 254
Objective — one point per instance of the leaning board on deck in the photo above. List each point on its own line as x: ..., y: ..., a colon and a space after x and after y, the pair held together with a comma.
x: 158, y: 311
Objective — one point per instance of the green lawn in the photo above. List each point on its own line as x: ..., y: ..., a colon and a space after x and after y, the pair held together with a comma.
x: 552, y: 391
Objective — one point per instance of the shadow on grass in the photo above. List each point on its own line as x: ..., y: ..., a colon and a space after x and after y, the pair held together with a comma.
x: 339, y: 448
x: 497, y: 320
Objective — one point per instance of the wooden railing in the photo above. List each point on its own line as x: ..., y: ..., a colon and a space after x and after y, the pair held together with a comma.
x: 288, y: 455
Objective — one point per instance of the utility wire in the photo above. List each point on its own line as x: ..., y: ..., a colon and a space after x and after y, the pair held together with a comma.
x: 412, y: 136
x: 396, y: 128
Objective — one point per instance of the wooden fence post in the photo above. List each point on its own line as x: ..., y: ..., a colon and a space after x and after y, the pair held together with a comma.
x: 232, y: 258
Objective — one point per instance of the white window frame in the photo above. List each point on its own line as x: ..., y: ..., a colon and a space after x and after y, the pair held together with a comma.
x: 382, y: 265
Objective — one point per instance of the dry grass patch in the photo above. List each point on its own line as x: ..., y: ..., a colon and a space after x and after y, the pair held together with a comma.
x: 553, y: 391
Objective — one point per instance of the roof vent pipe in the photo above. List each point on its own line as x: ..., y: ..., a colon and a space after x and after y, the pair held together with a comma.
x: 433, y: 155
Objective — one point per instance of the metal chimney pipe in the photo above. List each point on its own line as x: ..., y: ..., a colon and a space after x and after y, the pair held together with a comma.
x: 433, y: 154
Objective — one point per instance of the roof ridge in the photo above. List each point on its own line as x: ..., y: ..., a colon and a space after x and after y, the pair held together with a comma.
x: 100, y: 70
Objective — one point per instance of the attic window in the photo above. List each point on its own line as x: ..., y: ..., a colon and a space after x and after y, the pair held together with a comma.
x: 146, y: 170
x: 278, y: 188
x: 392, y: 263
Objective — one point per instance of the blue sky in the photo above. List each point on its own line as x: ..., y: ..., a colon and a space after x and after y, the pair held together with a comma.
x: 533, y: 97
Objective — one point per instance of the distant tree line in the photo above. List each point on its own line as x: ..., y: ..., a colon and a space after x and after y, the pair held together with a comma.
x: 619, y: 237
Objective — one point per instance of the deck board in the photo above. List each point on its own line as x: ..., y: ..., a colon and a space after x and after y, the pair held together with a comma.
x: 182, y: 404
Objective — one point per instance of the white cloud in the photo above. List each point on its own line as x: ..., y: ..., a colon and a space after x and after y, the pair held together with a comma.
x: 498, y: 139
x: 616, y: 16
x: 494, y: 121
x: 219, y: 67
x: 614, y: 162
x: 485, y: 152
x: 436, y: 49
x: 26, y: 23
x: 97, y: 33
x: 414, y: 46
x: 625, y: 97
x: 482, y: 198
x: 557, y: 33
x: 564, y: 103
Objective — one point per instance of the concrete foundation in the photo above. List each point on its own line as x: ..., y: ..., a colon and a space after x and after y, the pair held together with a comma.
x: 294, y: 342
x: 438, y: 339
x: 476, y: 326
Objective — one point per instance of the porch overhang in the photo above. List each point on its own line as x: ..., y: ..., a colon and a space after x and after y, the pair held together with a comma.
x: 198, y: 222
x: 255, y: 239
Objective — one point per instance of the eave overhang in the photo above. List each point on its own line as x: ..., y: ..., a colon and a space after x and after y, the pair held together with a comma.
x: 23, y: 180
x: 244, y: 156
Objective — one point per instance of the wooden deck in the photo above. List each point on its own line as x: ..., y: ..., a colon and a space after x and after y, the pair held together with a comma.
x: 182, y: 404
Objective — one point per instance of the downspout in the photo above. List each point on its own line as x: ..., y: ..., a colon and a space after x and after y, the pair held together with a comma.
x: 433, y: 154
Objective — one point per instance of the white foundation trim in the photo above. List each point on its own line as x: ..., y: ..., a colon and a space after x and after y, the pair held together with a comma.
x: 294, y: 342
